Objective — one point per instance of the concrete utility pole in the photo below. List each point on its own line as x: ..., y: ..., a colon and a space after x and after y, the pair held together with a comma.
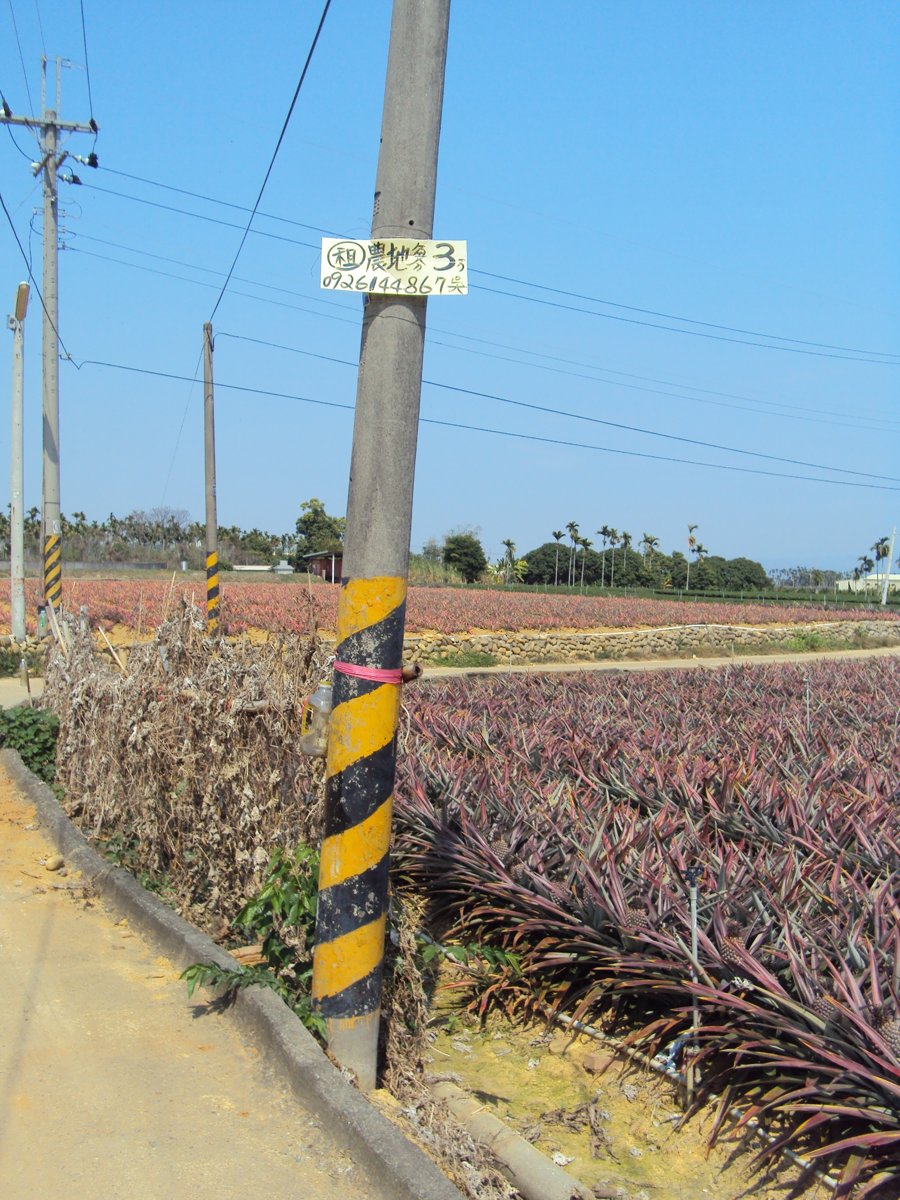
x: 16, y: 502
x: 887, y: 575
x: 49, y: 165
x: 360, y: 764
x: 212, y: 521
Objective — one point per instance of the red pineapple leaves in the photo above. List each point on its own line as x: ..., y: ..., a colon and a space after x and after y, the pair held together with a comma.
x: 801, y: 837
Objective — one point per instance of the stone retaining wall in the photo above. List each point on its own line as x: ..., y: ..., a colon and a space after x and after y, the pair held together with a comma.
x: 672, y: 641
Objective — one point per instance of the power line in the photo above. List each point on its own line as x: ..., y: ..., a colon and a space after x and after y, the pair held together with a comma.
x: 21, y: 56
x: 651, y: 379
x: 187, y: 406
x: 12, y: 138
x: 214, y: 200
x: 798, y: 345
x: 502, y: 432
x: 214, y: 286
x: 87, y: 65
x: 32, y: 278
x: 714, y: 337
x: 179, y: 262
x: 199, y: 216
x: 561, y: 412
x: 274, y: 156
x: 794, y: 415
x: 37, y: 9
x: 873, y: 424
x: 674, y: 317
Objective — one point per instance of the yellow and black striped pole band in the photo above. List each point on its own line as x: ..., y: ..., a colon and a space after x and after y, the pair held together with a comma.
x: 212, y: 592
x: 359, y: 790
x: 53, y: 570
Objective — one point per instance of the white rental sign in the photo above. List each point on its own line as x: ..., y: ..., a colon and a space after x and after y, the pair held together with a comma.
x: 395, y: 267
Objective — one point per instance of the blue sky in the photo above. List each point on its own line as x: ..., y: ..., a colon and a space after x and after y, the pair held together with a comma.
x: 730, y: 163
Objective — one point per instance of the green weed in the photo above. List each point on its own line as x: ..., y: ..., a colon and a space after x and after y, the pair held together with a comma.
x: 282, y: 917
x: 31, y: 731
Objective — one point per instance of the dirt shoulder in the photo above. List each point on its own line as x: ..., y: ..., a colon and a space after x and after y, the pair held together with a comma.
x: 113, y: 1083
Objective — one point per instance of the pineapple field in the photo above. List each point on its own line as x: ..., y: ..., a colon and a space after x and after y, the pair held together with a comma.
x: 552, y: 828
x: 290, y: 605
x: 561, y: 819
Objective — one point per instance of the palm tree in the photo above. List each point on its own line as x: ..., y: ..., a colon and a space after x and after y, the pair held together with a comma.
x: 692, y: 542
x: 626, y: 546
x: 509, y: 559
x: 881, y: 550
x: 865, y: 565
x: 650, y: 543
x: 586, y: 544
x: 613, y: 536
x: 558, y: 534
x: 572, y: 530
x: 701, y: 552
x: 604, y: 532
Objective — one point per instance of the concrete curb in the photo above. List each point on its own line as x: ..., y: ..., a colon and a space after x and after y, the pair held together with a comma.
x: 397, y: 1166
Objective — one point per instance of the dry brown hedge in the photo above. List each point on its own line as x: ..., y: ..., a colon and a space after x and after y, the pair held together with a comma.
x: 186, y: 763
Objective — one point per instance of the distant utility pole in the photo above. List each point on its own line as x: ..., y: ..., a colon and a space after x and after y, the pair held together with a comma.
x: 360, y: 764
x: 887, y: 575
x: 49, y: 165
x: 212, y: 520
x: 16, y: 510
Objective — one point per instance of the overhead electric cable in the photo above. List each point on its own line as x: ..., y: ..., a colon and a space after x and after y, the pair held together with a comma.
x: 12, y: 13
x: 34, y: 282
x: 674, y: 317
x: 872, y: 424
x: 214, y: 287
x: 817, y: 415
x: 12, y: 138
x: 713, y: 337
x: 529, y: 437
x: 274, y: 155
x: 216, y: 200
x: 562, y: 412
x: 37, y: 9
x: 200, y: 217
x: 187, y: 406
x: 886, y: 358
x: 87, y: 65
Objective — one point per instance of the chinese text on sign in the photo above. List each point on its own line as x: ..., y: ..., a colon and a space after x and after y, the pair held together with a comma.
x: 395, y: 267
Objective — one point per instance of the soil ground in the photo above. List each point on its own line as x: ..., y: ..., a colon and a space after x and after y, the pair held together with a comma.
x: 534, y: 1080
x: 112, y: 1083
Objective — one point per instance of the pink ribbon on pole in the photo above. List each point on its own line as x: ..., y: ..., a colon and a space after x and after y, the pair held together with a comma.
x: 371, y: 674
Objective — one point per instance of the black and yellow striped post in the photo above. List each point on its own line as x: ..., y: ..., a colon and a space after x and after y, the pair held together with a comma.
x: 359, y: 773
x: 209, y: 467
x: 53, y: 570
x: 212, y: 592
x: 360, y: 762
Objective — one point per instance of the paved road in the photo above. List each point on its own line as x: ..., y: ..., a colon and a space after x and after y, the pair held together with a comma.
x: 112, y: 1084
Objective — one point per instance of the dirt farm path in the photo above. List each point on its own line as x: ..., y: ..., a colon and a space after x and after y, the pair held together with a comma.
x: 660, y: 664
x: 112, y: 1083
x: 13, y: 691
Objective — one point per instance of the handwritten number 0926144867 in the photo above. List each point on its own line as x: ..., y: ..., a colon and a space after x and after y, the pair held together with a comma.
x: 412, y: 285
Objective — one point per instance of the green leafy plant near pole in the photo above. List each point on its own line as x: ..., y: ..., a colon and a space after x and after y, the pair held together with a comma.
x: 31, y: 731
x: 282, y: 917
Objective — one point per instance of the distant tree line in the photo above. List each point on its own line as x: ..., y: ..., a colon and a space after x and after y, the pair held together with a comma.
x: 623, y: 566
x: 161, y: 534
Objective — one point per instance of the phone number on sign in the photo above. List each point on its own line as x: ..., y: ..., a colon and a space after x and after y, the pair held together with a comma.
x: 413, y: 285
